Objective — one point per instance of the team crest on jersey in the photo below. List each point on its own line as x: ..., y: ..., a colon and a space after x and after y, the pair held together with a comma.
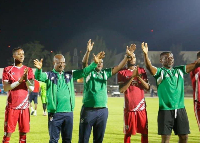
x: 67, y: 76
x: 52, y: 78
x: 13, y: 73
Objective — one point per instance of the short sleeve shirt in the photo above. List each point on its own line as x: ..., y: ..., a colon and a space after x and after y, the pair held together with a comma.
x: 195, y: 78
x: 170, y: 87
x: 134, y: 95
x: 17, y: 97
x: 95, y: 88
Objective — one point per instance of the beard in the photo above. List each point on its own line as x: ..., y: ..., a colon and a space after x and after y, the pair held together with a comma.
x: 130, y: 64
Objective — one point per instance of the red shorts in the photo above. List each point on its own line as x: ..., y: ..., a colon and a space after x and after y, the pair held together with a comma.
x: 12, y: 116
x: 135, y: 122
x: 197, y: 112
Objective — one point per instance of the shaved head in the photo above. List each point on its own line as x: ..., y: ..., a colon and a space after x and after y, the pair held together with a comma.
x: 59, y: 62
x: 58, y: 56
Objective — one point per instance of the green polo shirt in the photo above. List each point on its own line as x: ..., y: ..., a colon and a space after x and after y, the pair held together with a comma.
x: 170, y: 86
x: 95, y: 88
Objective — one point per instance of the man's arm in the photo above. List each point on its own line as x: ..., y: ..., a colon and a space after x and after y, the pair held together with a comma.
x: 148, y: 64
x: 7, y: 86
x: 192, y: 66
x: 39, y: 75
x: 30, y: 79
x: 124, y: 86
x: 86, y: 56
x: 83, y: 72
x: 123, y: 62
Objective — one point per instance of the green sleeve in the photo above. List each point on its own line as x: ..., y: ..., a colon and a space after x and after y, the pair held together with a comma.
x: 157, y: 75
x: 182, y: 68
x: 41, y: 76
x: 84, y: 72
x: 108, y: 72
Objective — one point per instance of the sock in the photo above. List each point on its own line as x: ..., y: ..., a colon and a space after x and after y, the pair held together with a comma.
x: 6, y: 139
x: 22, y: 139
x: 144, y: 138
x: 127, y: 138
x: 32, y: 109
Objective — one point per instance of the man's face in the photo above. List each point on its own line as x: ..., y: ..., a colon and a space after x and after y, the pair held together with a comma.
x: 19, y: 56
x: 99, y: 66
x: 132, y: 60
x: 167, y: 60
x: 59, y: 64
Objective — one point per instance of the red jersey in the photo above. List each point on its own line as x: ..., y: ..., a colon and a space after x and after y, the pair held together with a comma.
x: 17, y: 97
x: 134, y: 95
x: 36, y: 86
x: 195, y: 77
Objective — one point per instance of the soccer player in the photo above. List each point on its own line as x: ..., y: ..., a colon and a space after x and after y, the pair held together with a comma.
x: 170, y: 90
x: 195, y: 77
x: 60, y: 95
x: 132, y: 82
x: 43, y: 97
x: 17, y: 79
x: 94, y: 112
x: 34, y: 97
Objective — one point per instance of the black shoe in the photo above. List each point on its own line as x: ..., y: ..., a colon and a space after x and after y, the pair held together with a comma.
x: 32, y: 112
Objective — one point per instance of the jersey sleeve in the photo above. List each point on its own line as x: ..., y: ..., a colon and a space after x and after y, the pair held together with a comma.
x: 108, y: 72
x: 144, y: 74
x: 181, y: 68
x: 5, y: 75
x: 84, y: 72
x: 158, y: 73
x: 40, y: 76
x: 120, y: 77
x: 30, y: 74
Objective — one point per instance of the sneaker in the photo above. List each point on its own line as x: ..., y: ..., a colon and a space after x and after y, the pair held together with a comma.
x: 45, y: 113
x: 35, y: 113
x: 32, y: 112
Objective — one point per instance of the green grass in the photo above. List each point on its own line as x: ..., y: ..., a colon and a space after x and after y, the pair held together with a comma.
x: 114, y: 130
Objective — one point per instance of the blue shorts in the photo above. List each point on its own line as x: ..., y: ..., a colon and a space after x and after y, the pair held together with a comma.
x: 33, y: 97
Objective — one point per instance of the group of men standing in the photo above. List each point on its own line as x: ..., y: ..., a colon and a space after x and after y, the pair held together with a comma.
x: 18, y: 79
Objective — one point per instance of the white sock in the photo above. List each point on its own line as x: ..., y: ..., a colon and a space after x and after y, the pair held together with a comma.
x: 32, y: 109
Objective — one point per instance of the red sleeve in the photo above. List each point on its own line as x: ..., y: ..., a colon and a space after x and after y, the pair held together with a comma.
x: 5, y: 75
x: 30, y: 74
x: 143, y: 74
x: 120, y: 77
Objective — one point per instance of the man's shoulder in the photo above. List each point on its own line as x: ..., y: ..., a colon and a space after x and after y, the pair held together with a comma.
x: 123, y: 70
x: 8, y: 68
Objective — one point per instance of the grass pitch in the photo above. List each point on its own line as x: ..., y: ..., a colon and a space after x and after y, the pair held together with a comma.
x: 114, y: 130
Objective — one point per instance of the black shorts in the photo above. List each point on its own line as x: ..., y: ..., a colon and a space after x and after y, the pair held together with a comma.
x: 167, y: 120
x: 33, y: 97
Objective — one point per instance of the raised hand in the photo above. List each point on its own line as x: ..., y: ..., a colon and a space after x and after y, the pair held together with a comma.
x: 132, y: 48
x: 128, y: 52
x: 24, y: 76
x: 99, y: 57
x: 37, y: 63
x: 90, y: 45
x: 135, y: 71
x: 144, y: 47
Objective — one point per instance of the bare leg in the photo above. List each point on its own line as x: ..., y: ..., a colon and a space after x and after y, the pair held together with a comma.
x: 165, y: 138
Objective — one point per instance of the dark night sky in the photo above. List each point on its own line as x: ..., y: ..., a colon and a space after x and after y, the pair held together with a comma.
x: 57, y: 23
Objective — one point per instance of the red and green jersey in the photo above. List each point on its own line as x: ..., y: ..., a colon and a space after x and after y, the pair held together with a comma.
x: 170, y: 86
x: 95, y: 88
